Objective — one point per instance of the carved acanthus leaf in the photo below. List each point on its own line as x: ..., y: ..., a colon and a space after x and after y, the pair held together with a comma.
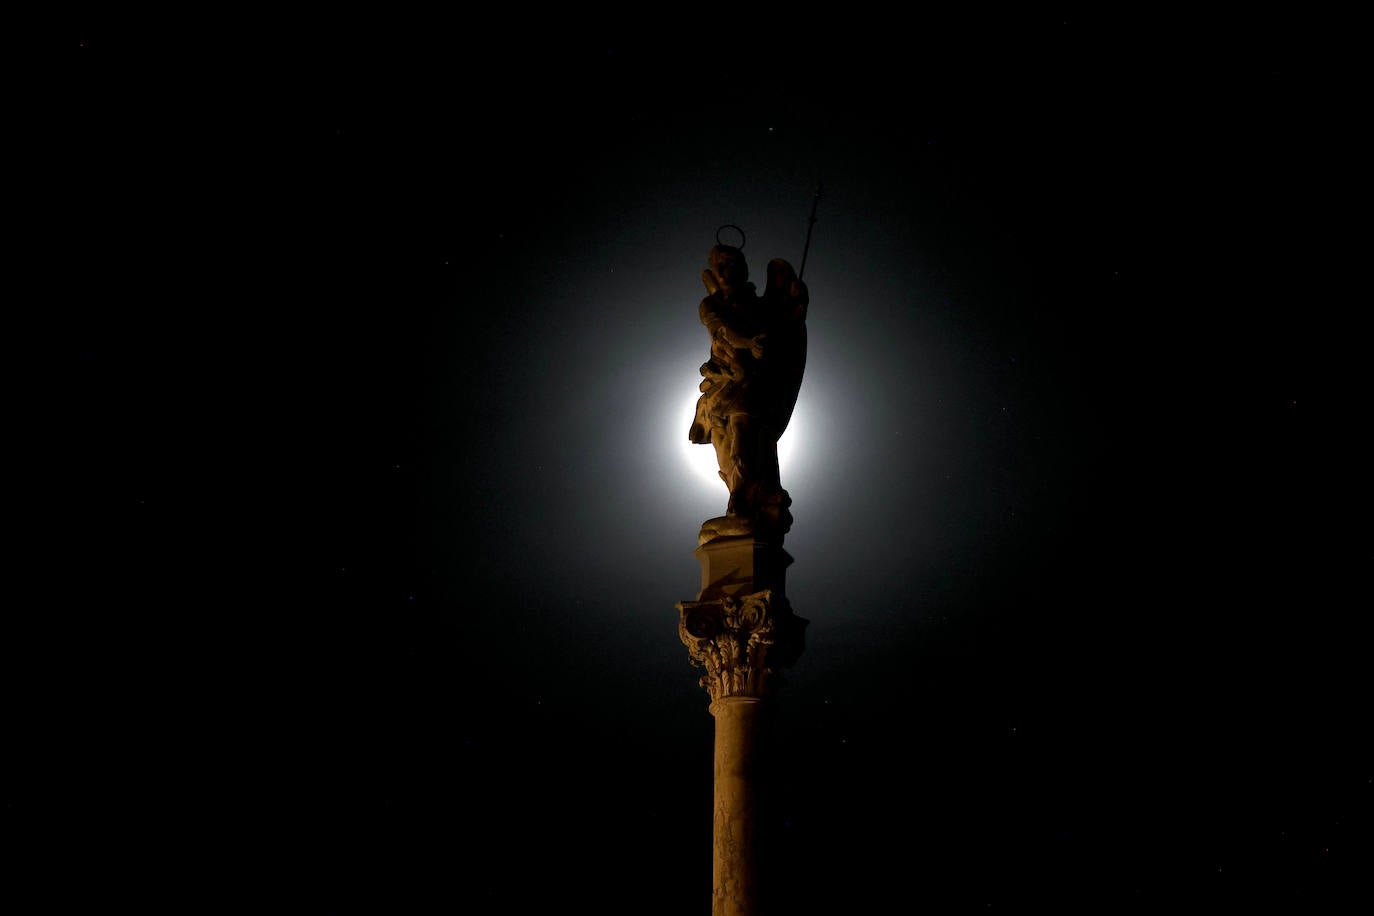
x: 733, y: 638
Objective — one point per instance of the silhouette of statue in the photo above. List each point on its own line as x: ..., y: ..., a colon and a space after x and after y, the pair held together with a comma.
x: 749, y: 388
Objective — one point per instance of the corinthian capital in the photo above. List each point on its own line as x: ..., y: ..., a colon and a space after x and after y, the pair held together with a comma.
x: 741, y: 641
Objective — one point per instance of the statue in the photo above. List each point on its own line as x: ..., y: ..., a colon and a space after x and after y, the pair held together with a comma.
x: 749, y: 387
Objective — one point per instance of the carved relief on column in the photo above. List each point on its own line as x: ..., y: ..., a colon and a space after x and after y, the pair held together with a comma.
x: 741, y: 641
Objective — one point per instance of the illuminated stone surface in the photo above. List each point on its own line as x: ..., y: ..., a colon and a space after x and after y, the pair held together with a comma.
x: 741, y: 635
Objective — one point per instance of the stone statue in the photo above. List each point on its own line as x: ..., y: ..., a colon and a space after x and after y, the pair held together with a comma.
x: 749, y: 388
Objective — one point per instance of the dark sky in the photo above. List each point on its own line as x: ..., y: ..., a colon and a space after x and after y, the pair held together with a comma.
x: 363, y: 504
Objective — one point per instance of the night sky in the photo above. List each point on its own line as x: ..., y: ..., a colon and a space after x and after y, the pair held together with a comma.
x: 363, y: 496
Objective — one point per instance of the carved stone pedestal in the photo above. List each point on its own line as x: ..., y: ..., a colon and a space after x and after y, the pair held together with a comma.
x: 742, y: 564
x: 741, y: 630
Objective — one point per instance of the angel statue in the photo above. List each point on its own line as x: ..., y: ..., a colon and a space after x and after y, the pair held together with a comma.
x: 749, y: 387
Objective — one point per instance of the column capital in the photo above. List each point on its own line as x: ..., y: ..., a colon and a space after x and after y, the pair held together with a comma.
x: 741, y: 640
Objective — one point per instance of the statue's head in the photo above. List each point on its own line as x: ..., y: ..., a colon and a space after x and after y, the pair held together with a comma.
x: 727, y: 263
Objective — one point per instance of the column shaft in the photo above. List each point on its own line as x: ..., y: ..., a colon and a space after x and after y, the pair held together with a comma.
x: 734, y: 887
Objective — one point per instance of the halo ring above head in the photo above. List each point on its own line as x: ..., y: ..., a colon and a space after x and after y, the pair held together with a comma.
x: 740, y: 246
